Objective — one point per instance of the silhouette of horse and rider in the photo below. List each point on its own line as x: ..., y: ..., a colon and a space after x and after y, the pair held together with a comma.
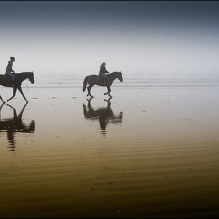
x: 104, y: 115
x: 6, y: 81
x: 14, y: 125
x: 92, y: 80
x: 15, y: 80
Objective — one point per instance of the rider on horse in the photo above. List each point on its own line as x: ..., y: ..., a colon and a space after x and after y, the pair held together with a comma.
x: 9, y: 69
x: 102, y: 72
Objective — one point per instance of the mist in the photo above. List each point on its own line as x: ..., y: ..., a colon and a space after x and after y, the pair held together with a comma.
x: 137, y: 38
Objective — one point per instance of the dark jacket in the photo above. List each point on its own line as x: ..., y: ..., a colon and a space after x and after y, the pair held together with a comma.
x: 9, y: 67
x: 103, y: 70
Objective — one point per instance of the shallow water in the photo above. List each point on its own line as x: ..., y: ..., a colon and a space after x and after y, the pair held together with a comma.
x: 150, y: 151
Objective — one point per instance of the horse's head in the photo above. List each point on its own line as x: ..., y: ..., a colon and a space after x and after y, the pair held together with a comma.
x: 119, y: 76
x: 31, y: 77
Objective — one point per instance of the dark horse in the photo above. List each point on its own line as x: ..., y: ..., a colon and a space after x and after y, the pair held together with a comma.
x: 91, y: 80
x: 19, y: 78
x: 104, y: 115
x: 14, y: 125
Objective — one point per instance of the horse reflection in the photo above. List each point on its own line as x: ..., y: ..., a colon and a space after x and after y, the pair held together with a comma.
x: 15, y: 124
x: 104, y: 115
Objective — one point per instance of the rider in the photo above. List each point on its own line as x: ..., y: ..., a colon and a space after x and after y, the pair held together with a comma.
x: 102, y: 72
x: 9, y: 69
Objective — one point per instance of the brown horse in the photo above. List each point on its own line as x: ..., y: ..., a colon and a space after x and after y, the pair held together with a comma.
x: 19, y: 78
x: 91, y: 80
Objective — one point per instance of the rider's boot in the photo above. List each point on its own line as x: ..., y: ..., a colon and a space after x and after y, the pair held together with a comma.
x: 13, y: 83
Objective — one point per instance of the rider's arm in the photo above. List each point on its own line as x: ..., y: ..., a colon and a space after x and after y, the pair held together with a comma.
x: 105, y: 70
x: 9, y: 67
x: 12, y: 68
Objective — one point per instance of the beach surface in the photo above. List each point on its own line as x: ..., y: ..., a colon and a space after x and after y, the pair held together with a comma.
x: 150, y: 151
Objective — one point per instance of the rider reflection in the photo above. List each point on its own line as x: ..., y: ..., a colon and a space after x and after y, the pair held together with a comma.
x: 104, y: 115
x: 14, y: 125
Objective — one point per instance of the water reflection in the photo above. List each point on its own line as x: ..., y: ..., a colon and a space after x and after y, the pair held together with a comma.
x: 104, y: 115
x: 15, y: 124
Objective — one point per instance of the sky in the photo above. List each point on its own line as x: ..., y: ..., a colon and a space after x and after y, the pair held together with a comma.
x: 135, y: 37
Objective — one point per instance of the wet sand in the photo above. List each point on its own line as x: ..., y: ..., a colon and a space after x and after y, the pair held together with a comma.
x: 149, y: 152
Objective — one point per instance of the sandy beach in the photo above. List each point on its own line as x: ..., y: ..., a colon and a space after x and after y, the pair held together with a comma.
x: 149, y: 152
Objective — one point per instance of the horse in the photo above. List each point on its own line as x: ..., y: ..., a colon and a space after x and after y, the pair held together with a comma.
x: 92, y: 80
x: 19, y: 78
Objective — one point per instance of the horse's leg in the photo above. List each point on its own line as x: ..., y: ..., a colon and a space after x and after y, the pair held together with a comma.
x: 1, y: 110
x: 22, y: 111
x: 2, y: 99
x: 14, y: 111
x: 108, y: 100
x: 89, y: 102
x: 14, y: 93
x: 21, y: 91
x: 85, y: 111
x: 109, y: 90
x: 89, y: 89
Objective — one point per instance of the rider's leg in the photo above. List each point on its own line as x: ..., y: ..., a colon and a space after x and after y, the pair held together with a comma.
x: 12, y: 77
x: 104, y: 77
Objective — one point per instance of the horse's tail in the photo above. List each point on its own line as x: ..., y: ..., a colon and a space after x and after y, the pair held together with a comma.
x: 85, y: 83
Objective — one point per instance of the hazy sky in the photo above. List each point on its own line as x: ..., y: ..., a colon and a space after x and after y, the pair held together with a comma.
x: 135, y: 37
